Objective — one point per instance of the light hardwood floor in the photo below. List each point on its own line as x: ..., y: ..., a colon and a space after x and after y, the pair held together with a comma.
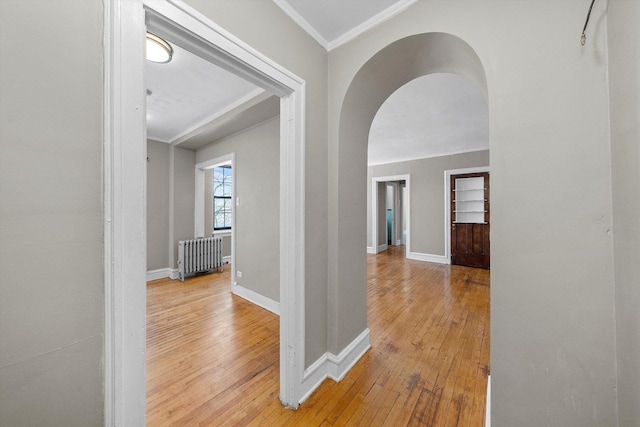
x: 212, y: 358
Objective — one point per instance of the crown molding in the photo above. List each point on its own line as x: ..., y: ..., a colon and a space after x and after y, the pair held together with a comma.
x: 385, y: 15
x: 303, y: 23
x: 370, y: 23
x: 420, y: 157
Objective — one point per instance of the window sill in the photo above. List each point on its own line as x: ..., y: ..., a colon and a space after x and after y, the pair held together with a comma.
x: 222, y: 233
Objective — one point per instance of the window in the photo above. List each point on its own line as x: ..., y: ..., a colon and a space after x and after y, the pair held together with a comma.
x: 222, y: 193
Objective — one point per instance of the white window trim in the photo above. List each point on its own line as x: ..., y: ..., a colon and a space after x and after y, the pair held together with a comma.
x: 125, y: 192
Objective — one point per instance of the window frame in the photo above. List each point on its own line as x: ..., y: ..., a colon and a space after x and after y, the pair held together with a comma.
x: 228, y: 213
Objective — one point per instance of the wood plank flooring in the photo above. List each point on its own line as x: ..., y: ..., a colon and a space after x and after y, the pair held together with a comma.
x: 212, y: 357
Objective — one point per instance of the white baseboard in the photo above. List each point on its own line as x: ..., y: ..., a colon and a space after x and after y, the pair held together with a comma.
x: 162, y: 273
x: 398, y: 242
x: 370, y: 250
x: 382, y: 248
x: 341, y: 364
x: 256, y: 298
x: 172, y: 273
x: 314, y: 375
x: 440, y: 259
x: 487, y: 418
x: 334, y: 367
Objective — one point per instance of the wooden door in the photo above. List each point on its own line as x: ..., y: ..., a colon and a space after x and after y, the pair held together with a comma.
x: 470, y: 220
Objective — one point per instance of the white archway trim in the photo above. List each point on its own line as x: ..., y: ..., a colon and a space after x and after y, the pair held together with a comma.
x: 447, y: 203
x: 125, y: 191
x: 374, y: 210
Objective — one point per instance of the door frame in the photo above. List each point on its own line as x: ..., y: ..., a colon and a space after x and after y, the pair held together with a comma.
x: 447, y: 202
x: 199, y: 219
x: 374, y: 209
x: 393, y: 185
x: 124, y: 169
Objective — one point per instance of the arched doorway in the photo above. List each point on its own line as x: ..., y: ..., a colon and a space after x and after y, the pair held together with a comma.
x: 392, y: 67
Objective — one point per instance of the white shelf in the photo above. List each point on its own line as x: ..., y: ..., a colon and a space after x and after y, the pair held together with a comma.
x: 469, y: 201
x: 470, y: 189
x: 461, y: 222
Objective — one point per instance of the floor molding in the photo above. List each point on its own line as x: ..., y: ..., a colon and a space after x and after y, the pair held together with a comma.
x: 418, y: 256
x: 382, y: 248
x: 162, y: 273
x: 339, y: 365
x: 334, y: 367
x: 256, y: 298
x: 370, y: 250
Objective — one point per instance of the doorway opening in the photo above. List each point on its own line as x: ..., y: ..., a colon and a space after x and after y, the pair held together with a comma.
x: 124, y: 206
x: 390, y: 212
x: 397, y: 65
x: 217, y: 219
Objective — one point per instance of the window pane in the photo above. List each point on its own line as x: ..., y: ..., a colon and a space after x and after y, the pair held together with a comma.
x: 222, y: 213
x: 222, y: 191
x: 222, y: 181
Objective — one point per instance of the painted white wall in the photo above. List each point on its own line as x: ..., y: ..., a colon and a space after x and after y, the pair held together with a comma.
x: 51, y: 232
x: 257, y: 187
x: 624, y: 90
x: 434, y: 115
x: 553, y: 358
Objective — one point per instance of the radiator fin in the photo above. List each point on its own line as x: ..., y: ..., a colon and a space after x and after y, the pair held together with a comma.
x: 199, y: 255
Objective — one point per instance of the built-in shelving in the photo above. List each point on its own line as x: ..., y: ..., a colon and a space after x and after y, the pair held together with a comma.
x: 469, y: 201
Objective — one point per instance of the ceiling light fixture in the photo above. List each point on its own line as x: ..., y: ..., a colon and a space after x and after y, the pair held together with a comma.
x: 158, y: 50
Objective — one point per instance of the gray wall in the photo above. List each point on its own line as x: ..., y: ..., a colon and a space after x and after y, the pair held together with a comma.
x: 184, y: 198
x: 427, y: 196
x: 171, y: 203
x: 552, y: 301
x: 257, y: 226
x: 158, y: 181
x: 624, y: 85
x: 265, y: 27
x: 552, y: 278
x: 51, y: 235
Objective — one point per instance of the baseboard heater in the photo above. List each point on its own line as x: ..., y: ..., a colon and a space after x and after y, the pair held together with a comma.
x: 199, y: 255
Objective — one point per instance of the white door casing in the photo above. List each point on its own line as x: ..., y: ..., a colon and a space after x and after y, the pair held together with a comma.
x: 125, y: 191
x: 374, y: 208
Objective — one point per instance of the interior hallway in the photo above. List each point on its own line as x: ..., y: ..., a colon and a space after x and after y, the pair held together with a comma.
x: 212, y: 357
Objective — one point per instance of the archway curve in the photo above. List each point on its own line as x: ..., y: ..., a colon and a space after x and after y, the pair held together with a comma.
x: 399, y: 63
x: 390, y: 68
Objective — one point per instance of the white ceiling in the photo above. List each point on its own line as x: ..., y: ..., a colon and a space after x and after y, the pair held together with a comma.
x: 434, y: 115
x: 189, y: 92
x: 193, y: 102
x: 335, y: 22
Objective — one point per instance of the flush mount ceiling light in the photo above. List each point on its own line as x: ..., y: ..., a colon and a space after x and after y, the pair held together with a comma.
x: 158, y: 50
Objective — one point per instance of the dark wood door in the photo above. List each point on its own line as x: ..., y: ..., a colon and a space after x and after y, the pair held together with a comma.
x: 470, y: 220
